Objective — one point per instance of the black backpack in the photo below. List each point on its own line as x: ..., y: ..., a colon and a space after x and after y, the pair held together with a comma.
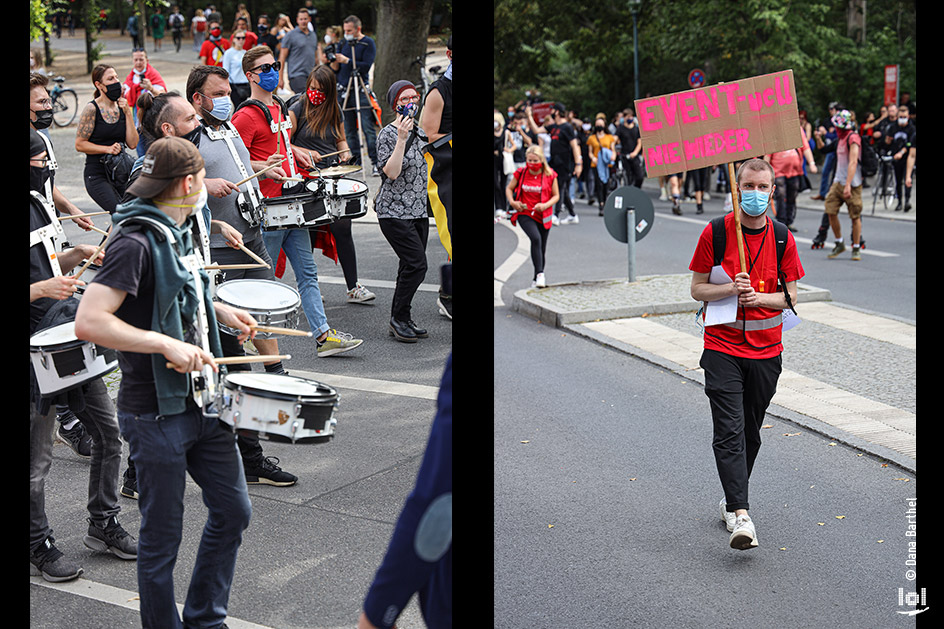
x: 868, y: 160
x: 719, y: 237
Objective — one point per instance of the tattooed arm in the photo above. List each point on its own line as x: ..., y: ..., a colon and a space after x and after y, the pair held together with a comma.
x: 84, y: 132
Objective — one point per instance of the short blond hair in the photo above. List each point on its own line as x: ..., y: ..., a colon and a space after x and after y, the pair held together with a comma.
x: 757, y: 165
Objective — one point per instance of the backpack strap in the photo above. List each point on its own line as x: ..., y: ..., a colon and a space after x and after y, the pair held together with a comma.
x: 719, y: 238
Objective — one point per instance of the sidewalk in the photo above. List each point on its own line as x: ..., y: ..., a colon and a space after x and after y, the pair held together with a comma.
x: 857, y: 400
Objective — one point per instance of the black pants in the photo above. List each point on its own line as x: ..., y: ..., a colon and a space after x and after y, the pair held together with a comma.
x: 785, y: 198
x: 740, y: 390
x: 408, y: 238
x: 537, y: 234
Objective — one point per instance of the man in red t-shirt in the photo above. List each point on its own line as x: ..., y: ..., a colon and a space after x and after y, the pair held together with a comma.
x: 211, y: 52
x: 742, y: 359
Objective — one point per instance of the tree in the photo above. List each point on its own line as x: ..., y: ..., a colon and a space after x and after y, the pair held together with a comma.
x: 402, y: 30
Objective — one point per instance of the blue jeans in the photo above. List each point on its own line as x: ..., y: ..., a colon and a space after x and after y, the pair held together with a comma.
x: 164, y: 450
x: 297, y: 246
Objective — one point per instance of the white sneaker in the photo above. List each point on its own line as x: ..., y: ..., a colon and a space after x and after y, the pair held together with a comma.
x: 555, y: 220
x: 359, y: 294
x: 727, y: 516
x: 570, y: 220
x: 539, y: 281
x: 744, y: 537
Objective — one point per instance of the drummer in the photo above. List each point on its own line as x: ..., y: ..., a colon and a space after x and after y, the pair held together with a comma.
x: 318, y: 129
x: 52, y: 303
x: 267, y: 147
x: 227, y: 161
x: 144, y: 304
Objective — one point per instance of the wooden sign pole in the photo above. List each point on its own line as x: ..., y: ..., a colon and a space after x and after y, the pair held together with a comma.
x: 737, y: 216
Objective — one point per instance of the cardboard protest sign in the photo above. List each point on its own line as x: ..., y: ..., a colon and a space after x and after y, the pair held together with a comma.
x: 718, y: 124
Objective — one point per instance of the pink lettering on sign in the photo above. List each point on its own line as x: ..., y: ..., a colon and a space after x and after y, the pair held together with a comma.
x: 647, y: 116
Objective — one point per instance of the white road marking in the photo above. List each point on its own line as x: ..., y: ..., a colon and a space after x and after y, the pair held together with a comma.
x: 513, y: 262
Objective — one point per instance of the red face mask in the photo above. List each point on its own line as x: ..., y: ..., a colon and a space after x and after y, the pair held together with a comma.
x: 316, y: 97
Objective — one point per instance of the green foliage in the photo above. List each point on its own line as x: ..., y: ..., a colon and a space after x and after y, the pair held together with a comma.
x: 583, y: 56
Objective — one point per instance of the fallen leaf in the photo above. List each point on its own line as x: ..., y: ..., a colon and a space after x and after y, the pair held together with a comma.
x: 784, y: 548
x: 881, y: 541
x: 821, y: 523
x: 767, y: 426
x: 790, y: 434
x: 840, y: 517
x: 550, y: 526
x: 833, y: 443
x: 524, y: 442
x: 634, y: 478
x: 860, y: 454
x: 884, y: 464
x: 907, y: 480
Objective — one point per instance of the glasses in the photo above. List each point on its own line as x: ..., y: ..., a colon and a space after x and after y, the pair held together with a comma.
x: 265, y: 67
x: 409, y: 99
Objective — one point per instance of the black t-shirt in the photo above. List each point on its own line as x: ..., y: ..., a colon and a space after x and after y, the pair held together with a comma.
x: 127, y: 267
x: 562, y: 154
x: 306, y: 137
x: 628, y: 138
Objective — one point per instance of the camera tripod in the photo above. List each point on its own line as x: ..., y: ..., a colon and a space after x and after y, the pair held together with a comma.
x: 357, y: 82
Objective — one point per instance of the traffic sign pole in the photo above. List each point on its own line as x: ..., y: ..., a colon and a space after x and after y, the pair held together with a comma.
x: 631, y: 242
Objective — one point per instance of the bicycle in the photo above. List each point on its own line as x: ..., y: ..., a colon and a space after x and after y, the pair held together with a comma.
x: 428, y: 75
x: 65, y: 103
x: 885, y: 184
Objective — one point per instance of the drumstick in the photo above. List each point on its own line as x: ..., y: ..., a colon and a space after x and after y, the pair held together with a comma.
x: 101, y: 248
x: 286, y: 331
x: 100, y: 231
x: 233, y: 267
x: 253, y: 176
x: 72, y: 216
x: 253, y: 256
x: 238, y: 360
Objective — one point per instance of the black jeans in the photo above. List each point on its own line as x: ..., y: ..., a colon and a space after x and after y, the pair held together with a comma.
x: 537, y: 234
x: 408, y: 239
x: 740, y: 390
x: 563, y: 184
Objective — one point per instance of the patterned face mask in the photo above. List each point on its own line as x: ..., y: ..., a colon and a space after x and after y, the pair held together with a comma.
x: 316, y: 97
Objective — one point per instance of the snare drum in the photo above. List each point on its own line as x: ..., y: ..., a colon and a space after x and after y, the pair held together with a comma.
x: 346, y: 197
x: 87, y: 276
x: 289, y: 211
x: 61, y: 361
x: 271, y: 303
x: 278, y: 407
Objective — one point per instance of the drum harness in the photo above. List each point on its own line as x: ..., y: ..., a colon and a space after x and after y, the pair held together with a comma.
x: 253, y: 215
x: 51, y: 236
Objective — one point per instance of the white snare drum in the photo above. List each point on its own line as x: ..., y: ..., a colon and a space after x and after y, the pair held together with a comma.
x: 278, y: 407
x: 87, y: 276
x: 271, y: 303
x: 290, y: 211
x: 346, y: 197
x: 61, y: 361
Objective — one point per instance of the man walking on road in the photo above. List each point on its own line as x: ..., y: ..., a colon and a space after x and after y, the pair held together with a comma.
x: 847, y: 185
x: 742, y: 359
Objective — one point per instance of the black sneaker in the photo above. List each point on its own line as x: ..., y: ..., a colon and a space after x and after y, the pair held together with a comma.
x: 112, y: 538
x: 75, y: 437
x: 52, y: 564
x: 129, y: 484
x: 266, y: 472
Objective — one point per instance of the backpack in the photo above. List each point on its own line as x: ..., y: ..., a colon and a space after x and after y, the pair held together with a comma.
x: 719, y: 237
x: 868, y: 160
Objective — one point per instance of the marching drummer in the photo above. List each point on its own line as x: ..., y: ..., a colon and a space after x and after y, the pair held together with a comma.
x: 146, y: 304
x: 267, y: 144
x: 52, y: 303
x: 227, y: 161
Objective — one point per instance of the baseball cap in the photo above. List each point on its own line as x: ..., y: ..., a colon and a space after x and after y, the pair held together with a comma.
x: 166, y: 160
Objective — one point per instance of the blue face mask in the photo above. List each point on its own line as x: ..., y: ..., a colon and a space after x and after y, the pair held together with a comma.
x: 754, y: 203
x: 269, y: 80
x: 222, y: 107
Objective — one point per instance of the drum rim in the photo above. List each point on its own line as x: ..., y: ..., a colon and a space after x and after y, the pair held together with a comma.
x: 292, y: 291
x: 60, y: 346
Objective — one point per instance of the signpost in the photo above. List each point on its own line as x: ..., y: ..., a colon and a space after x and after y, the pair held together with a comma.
x: 891, y: 85
x: 628, y: 215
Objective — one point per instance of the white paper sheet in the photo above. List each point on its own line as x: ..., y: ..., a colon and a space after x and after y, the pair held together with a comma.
x: 721, y: 310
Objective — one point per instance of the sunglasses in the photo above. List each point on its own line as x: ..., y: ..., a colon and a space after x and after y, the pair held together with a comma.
x: 265, y: 67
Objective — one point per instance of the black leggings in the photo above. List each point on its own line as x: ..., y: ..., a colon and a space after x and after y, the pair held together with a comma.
x: 537, y: 233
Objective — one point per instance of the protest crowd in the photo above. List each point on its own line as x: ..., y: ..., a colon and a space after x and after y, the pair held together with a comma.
x: 196, y: 184
x: 594, y: 153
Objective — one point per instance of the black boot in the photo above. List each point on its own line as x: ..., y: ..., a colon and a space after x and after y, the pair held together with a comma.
x: 402, y: 331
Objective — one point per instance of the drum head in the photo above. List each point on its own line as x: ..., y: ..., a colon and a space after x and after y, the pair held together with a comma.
x: 280, y: 385
x: 348, y: 187
x: 255, y: 294
x: 59, y: 336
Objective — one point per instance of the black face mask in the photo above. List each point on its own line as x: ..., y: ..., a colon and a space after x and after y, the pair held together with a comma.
x: 194, y: 136
x: 43, y: 118
x: 38, y: 177
x: 113, y: 91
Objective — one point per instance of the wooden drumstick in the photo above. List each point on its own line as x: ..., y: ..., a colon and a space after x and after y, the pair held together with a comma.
x: 286, y: 331
x: 233, y: 267
x: 253, y: 255
x: 239, y: 360
x: 74, y: 216
x: 253, y: 176
x: 101, y: 248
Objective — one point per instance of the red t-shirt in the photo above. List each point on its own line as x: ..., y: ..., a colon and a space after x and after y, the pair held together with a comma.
x: 533, y: 189
x: 760, y: 252
x: 132, y: 90
x: 213, y: 51
x: 261, y: 142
